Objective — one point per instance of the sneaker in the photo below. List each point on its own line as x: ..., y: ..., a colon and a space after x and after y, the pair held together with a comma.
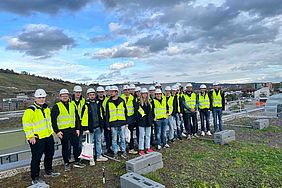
x: 150, y: 150
x: 202, y: 133
x: 209, y: 133
x: 52, y: 174
x: 132, y: 151
x: 102, y: 159
x: 115, y: 156
x: 159, y: 147
x: 189, y: 137
x: 123, y: 155
x: 37, y: 180
x: 92, y: 163
x: 67, y: 167
x: 172, y: 140
x: 184, y: 135
x: 195, y: 135
x: 78, y: 165
x: 180, y: 139
x: 166, y: 146
x: 141, y: 152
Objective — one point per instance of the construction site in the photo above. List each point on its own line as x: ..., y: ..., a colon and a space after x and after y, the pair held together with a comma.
x: 249, y: 156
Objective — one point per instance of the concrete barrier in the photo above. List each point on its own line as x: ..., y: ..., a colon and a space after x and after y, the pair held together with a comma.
x: 145, y: 164
x: 260, y: 124
x: 134, y: 180
x: 224, y: 137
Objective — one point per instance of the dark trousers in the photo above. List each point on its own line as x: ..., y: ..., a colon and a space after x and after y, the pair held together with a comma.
x: 205, y: 116
x: 108, y: 138
x: 153, y: 134
x: 190, y: 123
x: 46, y: 146
x: 70, y: 137
x: 131, y: 127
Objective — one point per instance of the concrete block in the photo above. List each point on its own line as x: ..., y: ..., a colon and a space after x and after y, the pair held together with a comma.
x: 134, y: 180
x: 39, y: 185
x: 224, y: 137
x: 260, y: 124
x: 145, y: 164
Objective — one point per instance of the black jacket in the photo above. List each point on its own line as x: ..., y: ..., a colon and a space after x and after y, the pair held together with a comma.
x: 147, y: 120
x: 94, y: 115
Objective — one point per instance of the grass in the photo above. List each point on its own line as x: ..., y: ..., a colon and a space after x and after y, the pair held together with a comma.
x: 247, y: 162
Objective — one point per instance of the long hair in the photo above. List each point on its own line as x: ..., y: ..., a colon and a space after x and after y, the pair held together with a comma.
x: 145, y: 101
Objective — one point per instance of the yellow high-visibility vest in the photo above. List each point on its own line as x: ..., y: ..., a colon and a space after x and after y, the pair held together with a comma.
x: 129, y: 104
x: 170, y: 104
x: 160, y: 109
x: 84, y: 118
x: 216, y: 99
x: 104, y: 104
x: 66, y: 119
x: 190, y: 101
x: 116, y: 112
x: 34, y: 122
x: 204, y: 101
x: 79, y: 107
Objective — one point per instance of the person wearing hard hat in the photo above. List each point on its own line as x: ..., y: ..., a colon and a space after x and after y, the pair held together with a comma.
x: 152, y: 90
x: 107, y: 133
x: 218, y: 105
x: 204, y: 104
x: 95, y: 123
x: 132, y: 89
x: 145, y: 120
x: 79, y: 102
x: 189, y: 104
x: 131, y: 119
x: 169, y: 100
x: 66, y: 124
x: 176, y: 111
x: 160, y: 110
x: 39, y: 134
x: 116, y: 121
x: 137, y: 93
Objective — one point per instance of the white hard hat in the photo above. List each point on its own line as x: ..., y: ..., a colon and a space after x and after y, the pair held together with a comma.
x: 144, y: 90
x: 174, y: 88
x: 203, y: 86
x: 158, y: 85
x: 77, y: 89
x: 126, y: 87
x: 152, y: 88
x: 215, y: 84
x: 90, y: 90
x: 64, y: 91
x: 114, y: 88
x: 158, y: 91
x: 132, y: 86
x: 100, y: 89
x: 108, y: 88
x: 178, y: 84
x: 168, y: 88
x: 137, y: 89
x: 189, y: 85
x: 40, y: 93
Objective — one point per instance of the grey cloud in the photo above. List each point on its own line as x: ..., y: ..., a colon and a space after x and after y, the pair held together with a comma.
x: 40, y: 41
x: 101, y: 38
x: 155, y: 43
x: 25, y: 7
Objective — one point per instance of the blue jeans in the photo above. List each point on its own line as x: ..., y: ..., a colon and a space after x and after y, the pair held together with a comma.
x: 179, y: 126
x: 217, y: 113
x: 96, y: 138
x: 118, y: 131
x: 144, y: 132
x: 171, y: 127
x: 161, y: 131
x: 205, y: 115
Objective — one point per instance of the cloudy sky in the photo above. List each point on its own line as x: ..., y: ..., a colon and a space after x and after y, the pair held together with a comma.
x: 110, y: 41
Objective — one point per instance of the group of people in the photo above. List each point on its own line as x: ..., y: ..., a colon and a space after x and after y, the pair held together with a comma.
x: 105, y: 115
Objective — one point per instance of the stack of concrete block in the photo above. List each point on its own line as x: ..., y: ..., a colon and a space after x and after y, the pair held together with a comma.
x: 260, y: 124
x: 133, y: 180
x: 224, y: 137
x: 145, y: 164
